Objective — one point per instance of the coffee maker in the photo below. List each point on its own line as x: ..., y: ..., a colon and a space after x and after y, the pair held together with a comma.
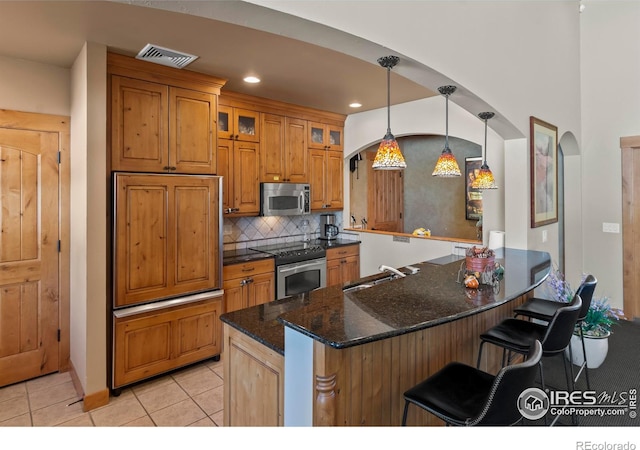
x: 328, y: 228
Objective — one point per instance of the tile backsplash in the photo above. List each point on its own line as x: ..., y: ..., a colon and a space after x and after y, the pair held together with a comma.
x: 243, y: 232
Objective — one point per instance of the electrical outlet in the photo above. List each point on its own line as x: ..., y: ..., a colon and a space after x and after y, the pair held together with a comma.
x: 227, y: 229
x: 610, y: 227
x: 544, y: 236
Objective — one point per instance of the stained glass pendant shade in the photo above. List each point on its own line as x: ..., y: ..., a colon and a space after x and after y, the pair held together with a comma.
x: 389, y: 156
x: 447, y: 166
x: 485, y: 179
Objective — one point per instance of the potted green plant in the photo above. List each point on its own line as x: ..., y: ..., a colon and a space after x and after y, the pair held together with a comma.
x: 596, y: 327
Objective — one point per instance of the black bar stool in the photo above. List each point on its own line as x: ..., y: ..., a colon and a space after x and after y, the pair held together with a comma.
x: 517, y: 335
x: 463, y: 395
x: 543, y: 309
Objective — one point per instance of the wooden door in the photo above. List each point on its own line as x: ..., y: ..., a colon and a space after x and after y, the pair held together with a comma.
x: 29, y: 258
x: 262, y: 289
x: 166, y: 236
x: 246, y: 125
x: 631, y: 225
x: 334, y: 272
x: 335, y: 136
x: 246, y: 166
x: 192, y: 131
x: 296, y: 151
x: 351, y: 270
x: 317, y: 135
x: 234, y: 294
x: 385, y: 198
x: 139, y: 125
x: 272, y: 158
x: 225, y: 170
x: 254, y: 382
x: 335, y: 182
x: 317, y: 178
x: 225, y: 122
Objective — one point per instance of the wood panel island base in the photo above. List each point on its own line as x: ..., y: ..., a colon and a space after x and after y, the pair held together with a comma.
x: 340, y: 356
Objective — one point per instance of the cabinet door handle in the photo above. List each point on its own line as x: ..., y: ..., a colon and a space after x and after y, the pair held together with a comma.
x: 231, y: 210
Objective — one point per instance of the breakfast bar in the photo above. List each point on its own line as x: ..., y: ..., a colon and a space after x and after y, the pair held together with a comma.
x: 344, y: 355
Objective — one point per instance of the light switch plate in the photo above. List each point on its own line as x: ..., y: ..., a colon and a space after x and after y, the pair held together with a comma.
x: 610, y: 227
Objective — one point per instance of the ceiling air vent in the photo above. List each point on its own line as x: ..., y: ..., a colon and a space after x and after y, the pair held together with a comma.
x: 165, y: 56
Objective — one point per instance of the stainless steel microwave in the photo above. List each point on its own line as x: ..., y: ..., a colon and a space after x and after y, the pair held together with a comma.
x: 285, y: 199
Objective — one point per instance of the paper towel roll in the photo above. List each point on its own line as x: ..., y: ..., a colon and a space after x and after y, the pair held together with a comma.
x: 496, y: 239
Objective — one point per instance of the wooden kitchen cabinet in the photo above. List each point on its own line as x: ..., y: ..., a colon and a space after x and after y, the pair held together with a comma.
x: 239, y: 165
x: 238, y: 124
x: 254, y: 382
x: 283, y: 149
x: 326, y: 168
x: 166, y: 236
x: 325, y: 137
x: 248, y: 284
x: 343, y: 264
x: 161, y: 128
x: 147, y: 343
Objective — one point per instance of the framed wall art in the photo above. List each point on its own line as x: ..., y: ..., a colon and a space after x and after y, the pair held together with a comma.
x: 544, y: 172
x: 473, y: 197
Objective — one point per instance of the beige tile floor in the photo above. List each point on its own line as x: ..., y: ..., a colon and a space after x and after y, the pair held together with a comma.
x: 188, y: 397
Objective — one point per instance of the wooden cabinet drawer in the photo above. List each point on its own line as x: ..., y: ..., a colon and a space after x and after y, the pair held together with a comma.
x: 343, y: 252
x: 248, y: 268
x: 152, y: 342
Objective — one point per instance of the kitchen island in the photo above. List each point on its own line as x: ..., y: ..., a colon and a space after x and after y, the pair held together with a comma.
x: 344, y: 355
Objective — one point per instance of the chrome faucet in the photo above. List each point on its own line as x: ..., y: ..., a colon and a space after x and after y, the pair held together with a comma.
x: 384, y: 268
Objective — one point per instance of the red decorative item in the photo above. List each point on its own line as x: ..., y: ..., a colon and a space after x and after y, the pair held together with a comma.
x: 478, y: 258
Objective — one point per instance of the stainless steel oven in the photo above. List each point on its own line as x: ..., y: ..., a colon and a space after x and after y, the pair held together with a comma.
x: 300, y: 267
x: 303, y: 276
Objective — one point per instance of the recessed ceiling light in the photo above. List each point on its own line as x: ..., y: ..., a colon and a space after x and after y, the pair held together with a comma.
x: 355, y: 105
x: 252, y: 79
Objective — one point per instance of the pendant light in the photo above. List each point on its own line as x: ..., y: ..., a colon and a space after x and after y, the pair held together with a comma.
x: 447, y: 166
x: 389, y: 156
x: 485, y: 179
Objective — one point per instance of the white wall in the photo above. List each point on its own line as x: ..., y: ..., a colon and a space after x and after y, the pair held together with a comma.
x: 88, y: 218
x: 521, y: 57
x: 610, y: 70
x: 33, y: 87
x: 78, y: 218
x: 377, y: 249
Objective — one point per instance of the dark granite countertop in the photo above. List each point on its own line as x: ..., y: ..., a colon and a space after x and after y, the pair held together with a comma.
x: 246, y: 254
x: 243, y: 255
x: 428, y: 298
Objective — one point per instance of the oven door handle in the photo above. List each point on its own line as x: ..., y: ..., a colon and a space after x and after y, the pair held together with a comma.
x: 289, y: 269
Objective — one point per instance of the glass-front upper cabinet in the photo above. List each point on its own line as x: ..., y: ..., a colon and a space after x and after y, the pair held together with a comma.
x: 326, y: 137
x: 238, y: 124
